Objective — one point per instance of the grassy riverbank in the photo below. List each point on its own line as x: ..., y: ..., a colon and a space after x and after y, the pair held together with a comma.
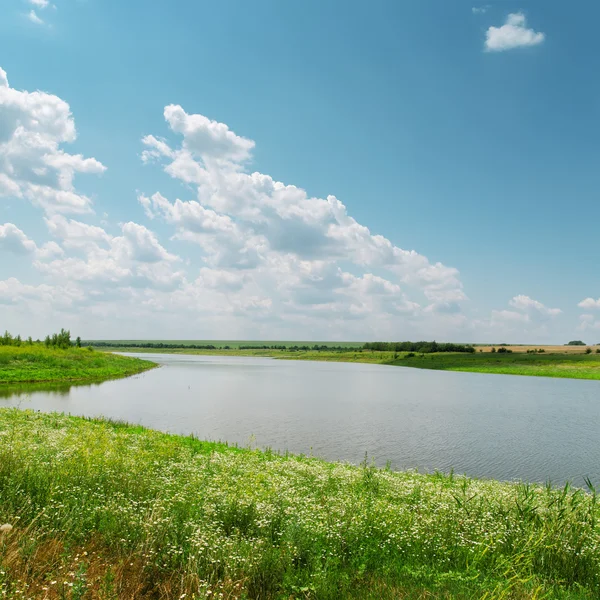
x: 37, y: 364
x: 104, y: 511
x: 570, y: 364
x: 573, y: 366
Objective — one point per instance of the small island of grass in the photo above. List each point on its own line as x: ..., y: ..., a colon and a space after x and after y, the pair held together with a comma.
x: 58, y: 360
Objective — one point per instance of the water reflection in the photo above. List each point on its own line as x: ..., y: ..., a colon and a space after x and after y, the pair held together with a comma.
x: 24, y: 389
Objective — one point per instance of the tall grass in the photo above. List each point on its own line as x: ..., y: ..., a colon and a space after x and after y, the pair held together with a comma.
x: 105, y: 510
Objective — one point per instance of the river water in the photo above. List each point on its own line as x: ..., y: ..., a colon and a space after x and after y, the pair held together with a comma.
x: 495, y: 426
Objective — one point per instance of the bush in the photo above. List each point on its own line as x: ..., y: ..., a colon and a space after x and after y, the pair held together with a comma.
x: 588, y: 350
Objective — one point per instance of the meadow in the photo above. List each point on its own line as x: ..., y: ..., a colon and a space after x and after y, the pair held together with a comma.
x: 102, y: 510
x: 38, y: 364
x: 569, y: 365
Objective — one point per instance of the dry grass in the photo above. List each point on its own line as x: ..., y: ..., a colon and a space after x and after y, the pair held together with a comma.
x: 547, y: 349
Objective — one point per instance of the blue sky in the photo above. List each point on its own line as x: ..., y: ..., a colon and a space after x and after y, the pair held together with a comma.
x: 464, y: 132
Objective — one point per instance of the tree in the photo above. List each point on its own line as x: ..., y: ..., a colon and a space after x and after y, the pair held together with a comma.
x: 78, y: 342
x: 575, y: 343
x: 588, y: 350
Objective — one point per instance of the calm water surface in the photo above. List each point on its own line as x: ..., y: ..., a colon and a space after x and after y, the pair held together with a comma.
x: 498, y: 426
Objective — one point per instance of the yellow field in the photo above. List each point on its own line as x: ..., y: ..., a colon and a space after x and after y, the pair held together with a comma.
x: 548, y: 349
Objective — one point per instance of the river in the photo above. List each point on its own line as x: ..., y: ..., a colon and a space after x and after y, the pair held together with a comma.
x: 495, y: 426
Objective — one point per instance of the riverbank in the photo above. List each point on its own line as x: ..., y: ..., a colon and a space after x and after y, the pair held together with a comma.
x: 38, y: 364
x: 571, y: 366
x: 565, y: 365
x: 104, y: 510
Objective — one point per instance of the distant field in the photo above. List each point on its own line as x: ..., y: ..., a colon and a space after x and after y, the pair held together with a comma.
x: 235, y: 345
x: 566, y: 365
x: 550, y: 349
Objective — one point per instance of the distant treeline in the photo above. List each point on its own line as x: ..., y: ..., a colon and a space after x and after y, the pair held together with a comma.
x: 157, y: 345
x: 423, y: 347
x: 170, y: 346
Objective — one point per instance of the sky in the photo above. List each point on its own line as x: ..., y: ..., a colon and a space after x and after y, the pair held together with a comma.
x: 300, y: 171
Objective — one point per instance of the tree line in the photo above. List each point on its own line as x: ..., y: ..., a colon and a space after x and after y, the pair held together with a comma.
x: 422, y: 347
x: 62, y: 340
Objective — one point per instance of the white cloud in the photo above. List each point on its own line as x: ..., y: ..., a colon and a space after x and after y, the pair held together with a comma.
x: 525, y: 303
x: 33, y: 17
x: 480, y: 10
x: 513, y: 34
x: 15, y: 241
x: 12, y: 239
x: 33, y: 126
x: 225, y: 281
x: 207, y: 139
x: 140, y: 244
x: 528, y: 320
x: 48, y: 251
x: 75, y: 234
x: 588, y: 323
x: 40, y: 3
x: 589, y: 303
x: 306, y: 254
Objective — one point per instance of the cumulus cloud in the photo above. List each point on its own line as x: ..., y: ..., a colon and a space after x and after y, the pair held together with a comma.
x: 526, y: 318
x: 15, y: 241
x: 588, y: 322
x: 528, y: 305
x: 135, y: 258
x: 291, y: 245
x: 33, y: 17
x: 513, y: 34
x: 33, y: 166
x: 12, y: 239
x: 589, y: 303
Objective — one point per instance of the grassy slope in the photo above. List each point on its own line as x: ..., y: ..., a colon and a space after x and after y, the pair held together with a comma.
x: 569, y: 365
x: 575, y: 366
x: 36, y: 364
x: 102, y: 510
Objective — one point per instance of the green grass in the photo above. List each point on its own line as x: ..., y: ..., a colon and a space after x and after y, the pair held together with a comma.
x: 574, y: 366
x: 106, y: 510
x: 38, y: 364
